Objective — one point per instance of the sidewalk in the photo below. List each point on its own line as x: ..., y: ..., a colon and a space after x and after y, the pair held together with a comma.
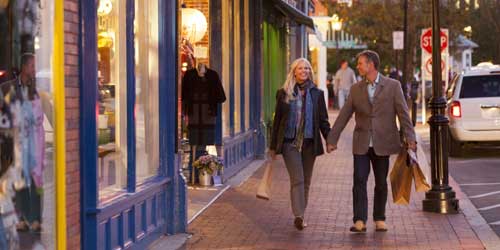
x: 237, y: 220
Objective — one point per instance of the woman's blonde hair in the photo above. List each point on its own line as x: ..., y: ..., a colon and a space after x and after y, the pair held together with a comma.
x: 290, y: 81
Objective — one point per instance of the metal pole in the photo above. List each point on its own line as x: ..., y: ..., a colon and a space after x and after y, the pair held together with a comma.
x: 441, y: 198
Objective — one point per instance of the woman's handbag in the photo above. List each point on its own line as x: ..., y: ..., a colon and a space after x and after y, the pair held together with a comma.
x: 264, y: 189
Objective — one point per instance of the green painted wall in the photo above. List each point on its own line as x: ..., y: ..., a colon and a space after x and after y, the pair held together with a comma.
x: 275, y: 64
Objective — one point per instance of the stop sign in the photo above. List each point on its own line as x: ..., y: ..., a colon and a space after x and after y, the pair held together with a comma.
x: 426, y: 41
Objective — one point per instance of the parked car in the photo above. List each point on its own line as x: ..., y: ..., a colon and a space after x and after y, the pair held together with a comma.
x: 474, y: 107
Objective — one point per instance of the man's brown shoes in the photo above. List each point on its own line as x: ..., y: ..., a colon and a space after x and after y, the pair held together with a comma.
x: 380, y: 226
x: 359, y: 227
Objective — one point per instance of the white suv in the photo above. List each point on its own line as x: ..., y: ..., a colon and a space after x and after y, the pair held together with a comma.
x: 474, y: 107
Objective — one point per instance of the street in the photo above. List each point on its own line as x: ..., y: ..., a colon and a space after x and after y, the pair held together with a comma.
x: 478, y: 173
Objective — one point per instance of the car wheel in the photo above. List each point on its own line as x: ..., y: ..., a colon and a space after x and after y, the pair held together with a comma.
x: 455, y: 147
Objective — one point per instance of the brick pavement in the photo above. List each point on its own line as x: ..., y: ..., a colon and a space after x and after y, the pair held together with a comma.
x: 240, y: 221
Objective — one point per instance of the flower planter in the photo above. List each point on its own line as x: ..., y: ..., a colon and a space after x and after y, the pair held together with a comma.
x: 205, y: 179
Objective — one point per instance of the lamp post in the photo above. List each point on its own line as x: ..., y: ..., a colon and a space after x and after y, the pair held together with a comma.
x: 441, y: 198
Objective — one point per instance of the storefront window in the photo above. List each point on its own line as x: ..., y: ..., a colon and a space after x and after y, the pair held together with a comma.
x: 146, y: 88
x: 27, y: 202
x: 237, y: 67
x: 112, y: 102
x: 247, y: 63
x: 226, y: 19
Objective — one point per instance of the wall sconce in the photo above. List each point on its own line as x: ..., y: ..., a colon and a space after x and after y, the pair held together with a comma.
x: 194, y: 24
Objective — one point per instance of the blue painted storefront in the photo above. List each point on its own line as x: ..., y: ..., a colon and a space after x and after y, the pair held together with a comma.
x: 158, y: 206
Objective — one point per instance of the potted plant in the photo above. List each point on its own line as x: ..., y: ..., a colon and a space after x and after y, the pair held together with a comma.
x: 207, y: 165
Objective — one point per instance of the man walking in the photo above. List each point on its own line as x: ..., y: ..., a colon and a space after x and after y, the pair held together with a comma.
x: 344, y: 79
x: 376, y: 100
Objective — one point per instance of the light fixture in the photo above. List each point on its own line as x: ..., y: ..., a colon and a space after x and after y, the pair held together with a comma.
x: 105, y: 7
x: 194, y: 24
x: 336, y: 22
x: 468, y: 29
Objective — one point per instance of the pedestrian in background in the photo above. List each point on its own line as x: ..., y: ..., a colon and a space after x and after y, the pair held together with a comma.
x: 344, y: 79
x: 331, y: 90
x: 376, y: 101
x: 300, y: 116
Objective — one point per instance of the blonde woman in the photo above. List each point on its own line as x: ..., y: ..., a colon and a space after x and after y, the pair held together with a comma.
x: 300, y: 116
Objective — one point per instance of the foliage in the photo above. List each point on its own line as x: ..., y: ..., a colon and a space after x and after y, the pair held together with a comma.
x: 208, y: 163
x: 374, y: 21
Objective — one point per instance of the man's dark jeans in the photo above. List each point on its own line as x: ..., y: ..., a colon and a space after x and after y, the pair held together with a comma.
x: 380, y: 166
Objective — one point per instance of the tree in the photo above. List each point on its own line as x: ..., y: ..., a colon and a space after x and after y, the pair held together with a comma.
x: 485, y: 25
x: 375, y: 20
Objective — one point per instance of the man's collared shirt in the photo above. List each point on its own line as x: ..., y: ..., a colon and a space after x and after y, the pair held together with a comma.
x: 372, y: 86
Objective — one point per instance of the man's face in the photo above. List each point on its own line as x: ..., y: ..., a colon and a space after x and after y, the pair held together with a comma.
x: 364, y: 66
x: 344, y: 65
x: 29, y: 68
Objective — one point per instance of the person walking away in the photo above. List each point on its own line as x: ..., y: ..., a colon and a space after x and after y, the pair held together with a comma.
x: 344, y: 79
x: 376, y: 101
x: 300, y: 117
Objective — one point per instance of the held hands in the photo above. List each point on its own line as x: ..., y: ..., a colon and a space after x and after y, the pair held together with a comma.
x: 330, y: 147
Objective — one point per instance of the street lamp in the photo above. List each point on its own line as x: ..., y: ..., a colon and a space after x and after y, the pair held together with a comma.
x: 441, y: 198
x: 336, y: 25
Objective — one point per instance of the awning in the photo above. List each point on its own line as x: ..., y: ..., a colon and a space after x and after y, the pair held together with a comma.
x: 293, y: 13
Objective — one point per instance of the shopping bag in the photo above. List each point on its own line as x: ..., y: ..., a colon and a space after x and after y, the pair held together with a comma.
x: 264, y: 189
x: 401, y: 179
x: 421, y: 184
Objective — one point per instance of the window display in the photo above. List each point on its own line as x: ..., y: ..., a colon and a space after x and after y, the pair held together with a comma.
x: 112, y: 108
x: 146, y: 88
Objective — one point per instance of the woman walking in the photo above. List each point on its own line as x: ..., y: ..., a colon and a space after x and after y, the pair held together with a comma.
x: 300, y: 115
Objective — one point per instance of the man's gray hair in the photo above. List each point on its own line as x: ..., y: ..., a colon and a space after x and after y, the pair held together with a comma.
x: 371, y: 56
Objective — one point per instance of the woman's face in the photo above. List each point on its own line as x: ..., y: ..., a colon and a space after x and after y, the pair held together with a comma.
x: 302, y: 72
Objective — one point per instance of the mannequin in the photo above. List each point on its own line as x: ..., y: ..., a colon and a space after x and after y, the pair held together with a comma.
x: 201, y: 93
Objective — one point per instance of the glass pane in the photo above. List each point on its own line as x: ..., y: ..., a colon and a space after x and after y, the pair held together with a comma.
x: 26, y: 167
x: 237, y: 68
x: 480, y: 86
x: 225, y: 73
x: 146, y: 88
x: 247, y: 65
x: 112, y: 102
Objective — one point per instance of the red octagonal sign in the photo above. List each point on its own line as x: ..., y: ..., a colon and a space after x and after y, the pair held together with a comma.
x: 426, y: 41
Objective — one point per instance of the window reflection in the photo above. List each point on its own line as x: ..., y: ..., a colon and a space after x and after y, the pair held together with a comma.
x: 26, y: 131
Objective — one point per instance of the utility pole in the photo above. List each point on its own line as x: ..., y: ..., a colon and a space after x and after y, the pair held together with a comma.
x: 441, y: 198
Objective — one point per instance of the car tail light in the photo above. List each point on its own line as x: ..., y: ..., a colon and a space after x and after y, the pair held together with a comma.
x: 455, y: 109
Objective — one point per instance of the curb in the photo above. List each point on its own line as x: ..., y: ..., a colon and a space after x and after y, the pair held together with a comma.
x: 482, y: 229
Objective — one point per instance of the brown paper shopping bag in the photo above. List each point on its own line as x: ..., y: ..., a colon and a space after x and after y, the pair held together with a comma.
x: 264, y: 189
x: 421, y: 184
x: 401, y: 179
